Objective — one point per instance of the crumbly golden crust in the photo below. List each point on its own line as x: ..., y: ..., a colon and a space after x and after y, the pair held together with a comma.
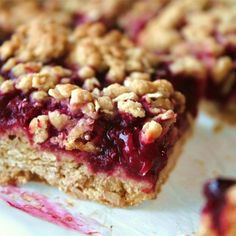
x: 20, y: 163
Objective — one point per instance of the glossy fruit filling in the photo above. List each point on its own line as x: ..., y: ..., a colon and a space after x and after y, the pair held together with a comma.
x: 215, y: 193
x: 118, y: 140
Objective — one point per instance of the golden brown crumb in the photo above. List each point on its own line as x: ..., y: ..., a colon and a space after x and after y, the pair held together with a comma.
x: 39, y: 128
x: 151, y: 131
x: 131, y: 107
x: 38, y: 40
x: 7, y: 86
x: 62, y: 91
x: 107, y: 51
x: 58, y: 120
x: 39, y: 96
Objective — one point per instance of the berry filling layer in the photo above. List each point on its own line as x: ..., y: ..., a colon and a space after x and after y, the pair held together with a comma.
x: 117, y: 143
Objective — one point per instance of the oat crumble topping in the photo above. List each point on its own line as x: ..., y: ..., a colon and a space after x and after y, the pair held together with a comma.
x: 112, y: 51
x: 102, y: 75
x: 92, y: 10
x: 198, y: 36
x: 37, y: 40
x: 39, y: 128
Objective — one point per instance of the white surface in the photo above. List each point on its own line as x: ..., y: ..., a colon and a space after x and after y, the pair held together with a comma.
x: 174, y: 213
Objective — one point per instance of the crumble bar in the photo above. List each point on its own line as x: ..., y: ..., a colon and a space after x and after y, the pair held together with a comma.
x: 219, y: 214
x: 80, y: 111
x: 203, y: 32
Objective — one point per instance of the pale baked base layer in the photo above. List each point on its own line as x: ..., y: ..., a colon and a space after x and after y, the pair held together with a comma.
x: 213, y: 110
x: 20, y: 163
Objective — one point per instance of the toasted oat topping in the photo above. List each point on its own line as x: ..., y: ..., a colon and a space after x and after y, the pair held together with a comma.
x: 7, y: 86
x: 131, y: 107
x: 162, y: 32
x: 39, y: 96
x: 37, y: 40
x: 194, y: 33
x: 14, y: 13
x: 151, y: 131
x: 165, y: 35
x: 42, y: 79
x: 92, y: 10
x: 58, y: 120
x: 113, y: 52
x: 188, y: 66
x: 80, y: 97
x: 104, y: 76
x: 39, y: 128
x: 76, y: 133
x: 114, y: 90
x: 62, y: 91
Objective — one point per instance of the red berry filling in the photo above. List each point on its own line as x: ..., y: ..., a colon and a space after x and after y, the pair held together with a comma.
x: 118, y: 140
